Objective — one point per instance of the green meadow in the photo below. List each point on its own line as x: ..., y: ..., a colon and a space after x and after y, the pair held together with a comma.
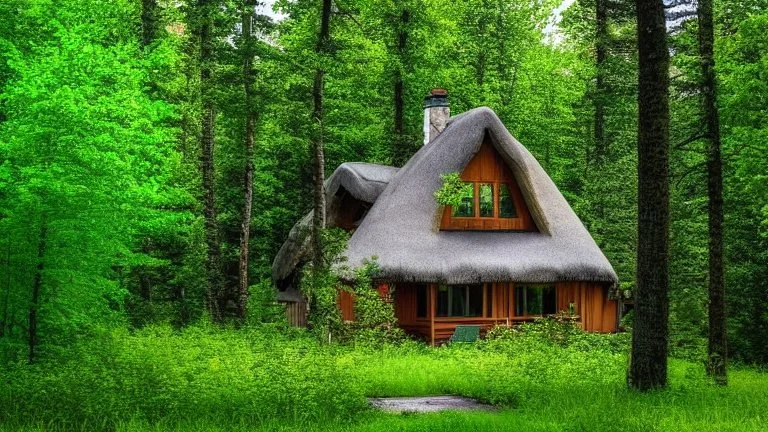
x: 206, y: 379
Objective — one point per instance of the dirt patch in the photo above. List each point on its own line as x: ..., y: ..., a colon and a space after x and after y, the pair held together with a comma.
x: 429, y: 404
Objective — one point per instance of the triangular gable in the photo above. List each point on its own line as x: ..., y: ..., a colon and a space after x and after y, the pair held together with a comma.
x: 487, y: 170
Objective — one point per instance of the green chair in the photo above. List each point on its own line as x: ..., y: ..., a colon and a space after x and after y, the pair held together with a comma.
x: 465, y: 333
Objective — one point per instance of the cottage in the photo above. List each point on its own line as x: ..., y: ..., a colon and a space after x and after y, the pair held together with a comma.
x: 511, y: 251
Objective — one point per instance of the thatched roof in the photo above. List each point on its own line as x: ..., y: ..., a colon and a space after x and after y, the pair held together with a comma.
x: 363, y: 181
x: 402, y: 227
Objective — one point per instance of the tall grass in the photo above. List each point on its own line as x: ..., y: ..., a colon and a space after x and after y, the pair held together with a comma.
x: 212, y: 380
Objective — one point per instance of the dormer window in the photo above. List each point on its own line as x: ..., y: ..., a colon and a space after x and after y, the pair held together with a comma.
x: 479, y: 199
x: 491, y: 199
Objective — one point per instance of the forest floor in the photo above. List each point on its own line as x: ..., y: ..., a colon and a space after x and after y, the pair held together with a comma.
x: 159, y: 379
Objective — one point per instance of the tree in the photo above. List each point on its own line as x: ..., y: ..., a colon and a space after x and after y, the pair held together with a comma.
x: 250, y: 120
x: 318, y: 152
x: 648, y: 366
x: 718, y: 348
x: 215, y: 290
x: 149, y: 10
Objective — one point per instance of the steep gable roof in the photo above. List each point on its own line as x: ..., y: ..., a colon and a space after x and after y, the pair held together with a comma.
x: 402, y: 227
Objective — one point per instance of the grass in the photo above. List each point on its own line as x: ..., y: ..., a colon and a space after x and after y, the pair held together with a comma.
x: 239, y: 381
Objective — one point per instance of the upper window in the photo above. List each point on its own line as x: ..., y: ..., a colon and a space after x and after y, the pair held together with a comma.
x: 491, y: 199
x: 483, y: 198
x: 535, y: 300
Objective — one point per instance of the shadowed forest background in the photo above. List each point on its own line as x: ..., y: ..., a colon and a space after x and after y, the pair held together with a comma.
x: 124, y: 151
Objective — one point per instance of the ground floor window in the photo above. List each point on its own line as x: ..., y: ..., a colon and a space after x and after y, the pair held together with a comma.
x: 459, y: 301
x: 535, y: 300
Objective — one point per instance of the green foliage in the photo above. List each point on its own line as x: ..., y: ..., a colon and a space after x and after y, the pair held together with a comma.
x: 203, y: 373
x: 321, y: 286
x: 209, y: 378
x: 452, y: 190
x: 375, y: 322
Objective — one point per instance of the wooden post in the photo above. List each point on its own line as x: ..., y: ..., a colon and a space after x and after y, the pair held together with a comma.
x: 432, y: 303
x: 485, y: 300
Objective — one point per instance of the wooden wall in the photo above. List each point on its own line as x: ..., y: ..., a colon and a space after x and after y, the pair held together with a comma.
x: 595, y: 311
x: 487, y: 166
x: 296, y: 312
x: 346, y: 303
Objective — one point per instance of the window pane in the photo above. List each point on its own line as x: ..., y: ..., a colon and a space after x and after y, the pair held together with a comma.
x: 486, y: 200
x: 533, y: 301
x: 421, y: 301
x: 442, y: 301
x: 536, y: 300
x: 458, y: 301
x: 549, y: 302
x: 467, y: 206
x: 506, y: 204
x: 475, y: 300
x: 519, y: 301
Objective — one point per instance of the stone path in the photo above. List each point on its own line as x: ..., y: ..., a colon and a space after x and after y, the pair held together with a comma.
x: 429, y: 404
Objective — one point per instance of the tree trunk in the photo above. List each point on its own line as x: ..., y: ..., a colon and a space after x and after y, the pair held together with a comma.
x: 401, y: 152
x: 718, y: 341
x: 318, y: 220
x: 250, y: 121
x: 213, y: 262
x: 37, y: 284
x: 601, y: 41
x: 648, y: 366
x: 148, y: 21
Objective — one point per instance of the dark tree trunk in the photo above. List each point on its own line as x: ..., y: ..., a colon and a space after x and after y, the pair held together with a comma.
x: 601, y: 41
x: 401, y: 151
x: 37, y: 284
x: 718, y: 341
x: 250, y: 121
x: 318, y: 221
x: 215, y: 290
x: 648, y: 366
x: 148, y: 21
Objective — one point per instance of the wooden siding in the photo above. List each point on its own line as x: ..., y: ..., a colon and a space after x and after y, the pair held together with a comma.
x: 346, y: 302
x: 487, y: 166
x: 598, y: 313
x: 296, y: 312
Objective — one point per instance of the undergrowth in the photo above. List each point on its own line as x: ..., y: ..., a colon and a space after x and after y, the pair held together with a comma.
x: 541, y: 377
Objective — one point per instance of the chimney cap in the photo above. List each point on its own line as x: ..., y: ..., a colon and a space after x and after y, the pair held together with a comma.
x: 437, y: 97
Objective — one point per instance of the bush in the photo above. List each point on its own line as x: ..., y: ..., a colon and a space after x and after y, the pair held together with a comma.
x: 245, y: 376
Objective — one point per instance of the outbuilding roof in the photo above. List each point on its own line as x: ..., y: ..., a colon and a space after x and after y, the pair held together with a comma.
x: 364, y: 181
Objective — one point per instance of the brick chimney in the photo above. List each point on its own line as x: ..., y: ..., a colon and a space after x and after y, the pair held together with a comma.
x: 437, y: 111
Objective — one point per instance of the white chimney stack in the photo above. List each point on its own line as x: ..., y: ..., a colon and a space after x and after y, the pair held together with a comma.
x: 437, y: 111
